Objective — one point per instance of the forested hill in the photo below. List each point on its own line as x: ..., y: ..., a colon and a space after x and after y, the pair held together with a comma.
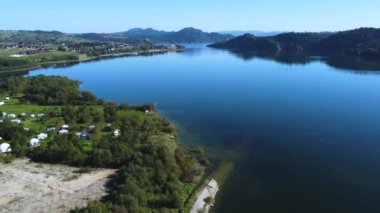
x: 186, y: 35
x: 360, y: 42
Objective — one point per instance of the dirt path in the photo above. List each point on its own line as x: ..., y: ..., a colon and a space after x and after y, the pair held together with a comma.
x: 32, y: 187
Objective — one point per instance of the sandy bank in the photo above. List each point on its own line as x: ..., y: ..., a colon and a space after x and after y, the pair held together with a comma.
x: 34, y: 187
x: 209, y: 191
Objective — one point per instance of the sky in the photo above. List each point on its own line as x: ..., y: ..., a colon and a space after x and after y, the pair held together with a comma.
x: 78, y: 16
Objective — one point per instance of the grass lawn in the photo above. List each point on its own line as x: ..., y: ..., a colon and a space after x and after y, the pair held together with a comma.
x: 9, y: 52
x: 50, y: 56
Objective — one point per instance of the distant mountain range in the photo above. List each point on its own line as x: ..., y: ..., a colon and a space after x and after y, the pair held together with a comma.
x: 134, y: 37
x: 186, y: 35
x: 255, y: 33
x: 364, y: 42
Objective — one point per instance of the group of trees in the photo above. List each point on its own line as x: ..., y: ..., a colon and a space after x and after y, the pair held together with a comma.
x: 52, y: 90
x: 9, y: 64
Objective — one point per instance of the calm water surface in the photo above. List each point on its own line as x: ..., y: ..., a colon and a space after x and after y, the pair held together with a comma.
x: 307, y: 135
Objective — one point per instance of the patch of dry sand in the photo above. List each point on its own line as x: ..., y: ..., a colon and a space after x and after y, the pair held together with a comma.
x: 34, y: 187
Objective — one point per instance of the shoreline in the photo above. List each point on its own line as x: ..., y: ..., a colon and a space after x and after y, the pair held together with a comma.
x: 209, y: 191
x: 88, y: 59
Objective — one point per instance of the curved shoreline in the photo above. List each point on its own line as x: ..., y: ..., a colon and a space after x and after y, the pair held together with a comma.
x: 88, y: 59
x: 210, y: 190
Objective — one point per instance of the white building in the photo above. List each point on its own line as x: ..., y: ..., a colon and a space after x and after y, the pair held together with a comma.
x: 32, y: 115
x: 2, y: 103
x: 4, y: 114
x: 34, y: 142
x: 7, y: 98
x: 65, y: 126
x: 5, y: 147
x: 116, y: 132
x: 42, y: 136
x: 17, y: 121
x: 41, y: 115
x: 12, y: 116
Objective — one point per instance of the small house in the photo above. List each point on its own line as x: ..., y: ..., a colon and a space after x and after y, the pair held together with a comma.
x: 63, y: 132
x: 5, y: 147
x: 7, y: 98
x: 78, y: 134
x: 34, y: 142
x: 32, y: 115
x: 2, y: 103
x: 41, y: 115
x: 147, y: 112
x: 92, y: 127
x: 23, y: 114
x: 26, y: 129
x: 42, y: 136
x: 4, y: 114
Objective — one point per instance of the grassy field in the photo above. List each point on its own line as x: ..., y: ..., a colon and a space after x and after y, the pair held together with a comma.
x: 29, y: 62
x: 51, y: 56
x: 9, y: 52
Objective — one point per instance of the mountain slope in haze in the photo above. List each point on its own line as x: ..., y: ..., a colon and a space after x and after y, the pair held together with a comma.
x: 51, y: 37
x: 186, y: 35
x: 359, y: 42
x: 253, y: 32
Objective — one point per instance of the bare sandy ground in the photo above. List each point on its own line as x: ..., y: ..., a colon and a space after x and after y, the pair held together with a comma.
x: 32, y: 187
x: 209, y: 191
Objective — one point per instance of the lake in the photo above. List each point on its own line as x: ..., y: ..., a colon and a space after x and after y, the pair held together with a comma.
x: 304, y: 135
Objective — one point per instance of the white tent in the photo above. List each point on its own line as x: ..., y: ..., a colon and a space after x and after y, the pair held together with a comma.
x: 63, y: 132
x: 12, y: 116
x: 42, y: 136
x: 34, y: 142
x: 5, y: 147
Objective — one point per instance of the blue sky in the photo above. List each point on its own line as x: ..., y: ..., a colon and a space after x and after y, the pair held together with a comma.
x: 209, y: 15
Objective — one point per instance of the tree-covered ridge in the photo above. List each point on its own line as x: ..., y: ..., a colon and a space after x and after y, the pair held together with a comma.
x: 364, y: 42
x: 186, y: 35
x: 155, y: 174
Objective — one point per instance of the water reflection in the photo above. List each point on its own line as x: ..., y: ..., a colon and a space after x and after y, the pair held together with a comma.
x: 345, y: 63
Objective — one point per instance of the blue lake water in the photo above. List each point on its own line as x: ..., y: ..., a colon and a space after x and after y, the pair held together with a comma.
x: 307, y: 135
